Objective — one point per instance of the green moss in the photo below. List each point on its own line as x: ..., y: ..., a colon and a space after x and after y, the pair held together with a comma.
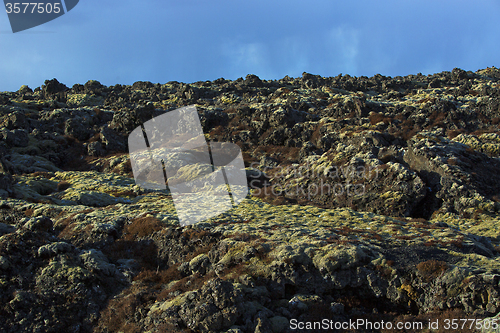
x: 488, y: 143
x: 65, y: 273
x: 409, y: 290
x: 92, y: 198
x: 453, y: 291
x: 79, y: 100
x: 192, y: 171
x: 177, y: 301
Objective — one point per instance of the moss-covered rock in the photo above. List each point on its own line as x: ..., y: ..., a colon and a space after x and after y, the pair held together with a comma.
x: 92, y: 198
x: 79, y: 100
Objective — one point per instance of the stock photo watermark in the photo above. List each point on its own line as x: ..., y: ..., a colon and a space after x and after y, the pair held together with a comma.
x: 26, y: 15
x: 205, y: 180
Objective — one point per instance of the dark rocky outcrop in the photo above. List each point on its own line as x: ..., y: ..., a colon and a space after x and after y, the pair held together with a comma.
x: 371, y: 197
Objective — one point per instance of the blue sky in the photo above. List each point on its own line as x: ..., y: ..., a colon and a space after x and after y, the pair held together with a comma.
x: 159, y: 41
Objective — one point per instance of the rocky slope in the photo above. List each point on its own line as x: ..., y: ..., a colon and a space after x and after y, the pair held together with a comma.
x: 372, y: 198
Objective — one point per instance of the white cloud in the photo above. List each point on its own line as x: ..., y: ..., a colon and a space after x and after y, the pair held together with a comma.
x: 343, y: 46
x: 245, y: 58
x: 292, y: 56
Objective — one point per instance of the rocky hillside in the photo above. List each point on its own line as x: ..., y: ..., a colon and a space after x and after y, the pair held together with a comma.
x: 371, y: 198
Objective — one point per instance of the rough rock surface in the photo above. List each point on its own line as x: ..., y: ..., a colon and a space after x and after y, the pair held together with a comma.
x: 372, y: 198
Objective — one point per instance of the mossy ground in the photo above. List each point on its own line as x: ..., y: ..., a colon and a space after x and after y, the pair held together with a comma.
x: 300, y: 227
